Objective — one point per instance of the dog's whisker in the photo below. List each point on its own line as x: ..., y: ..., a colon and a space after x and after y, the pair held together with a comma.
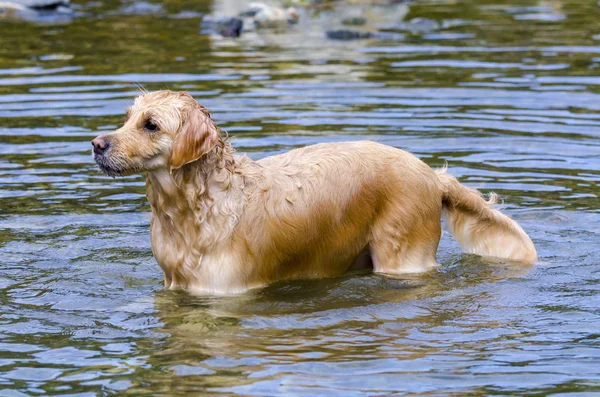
x: 140, y: 87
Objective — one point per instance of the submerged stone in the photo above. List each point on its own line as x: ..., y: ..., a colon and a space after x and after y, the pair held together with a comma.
x: 345, y: 34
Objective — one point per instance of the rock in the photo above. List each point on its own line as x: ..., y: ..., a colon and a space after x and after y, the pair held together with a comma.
x: 345, y: 34
x: 354, y: 21
x: 48, y: 11
x: 226, y: 27
x: 38, y: 5
x: 142, y: 8
x: 265, y: 15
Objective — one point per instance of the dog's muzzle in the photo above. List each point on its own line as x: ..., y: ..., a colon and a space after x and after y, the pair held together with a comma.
x: 106, y: 163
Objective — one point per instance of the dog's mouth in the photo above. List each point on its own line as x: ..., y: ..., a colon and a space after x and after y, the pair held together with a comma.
x: 111, y: 167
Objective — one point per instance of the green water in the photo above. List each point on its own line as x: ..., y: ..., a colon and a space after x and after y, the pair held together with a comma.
x: 506, y: 95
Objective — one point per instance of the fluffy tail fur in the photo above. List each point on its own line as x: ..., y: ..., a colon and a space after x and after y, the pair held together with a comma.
x: 478, y: 228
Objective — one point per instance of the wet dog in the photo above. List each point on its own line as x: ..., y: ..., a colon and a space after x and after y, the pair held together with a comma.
x: 223, y: 223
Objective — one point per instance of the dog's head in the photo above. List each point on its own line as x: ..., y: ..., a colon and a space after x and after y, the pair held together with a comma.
x: 164, y: 129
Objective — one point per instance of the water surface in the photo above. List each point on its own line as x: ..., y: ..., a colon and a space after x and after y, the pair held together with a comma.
x: 507, y: 95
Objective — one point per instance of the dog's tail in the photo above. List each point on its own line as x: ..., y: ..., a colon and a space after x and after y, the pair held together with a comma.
x: 480, y: 229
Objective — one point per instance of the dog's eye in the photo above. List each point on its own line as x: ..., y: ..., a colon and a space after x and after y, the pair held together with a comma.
x: 150, y: 126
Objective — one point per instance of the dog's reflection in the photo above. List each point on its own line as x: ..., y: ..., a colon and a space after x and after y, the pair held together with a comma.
x: 218, y: 342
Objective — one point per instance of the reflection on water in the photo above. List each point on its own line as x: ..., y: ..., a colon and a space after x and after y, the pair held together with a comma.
x: 507, y: 95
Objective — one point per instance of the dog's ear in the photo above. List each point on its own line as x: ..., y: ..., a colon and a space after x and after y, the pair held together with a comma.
x: 198, y: 136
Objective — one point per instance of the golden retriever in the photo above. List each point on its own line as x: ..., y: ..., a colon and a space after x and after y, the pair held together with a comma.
x: 223, y: 223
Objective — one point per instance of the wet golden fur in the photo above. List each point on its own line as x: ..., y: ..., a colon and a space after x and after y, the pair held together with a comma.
x: 223, y: 223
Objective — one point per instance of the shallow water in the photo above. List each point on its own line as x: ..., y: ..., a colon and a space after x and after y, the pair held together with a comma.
x: 507, y: 96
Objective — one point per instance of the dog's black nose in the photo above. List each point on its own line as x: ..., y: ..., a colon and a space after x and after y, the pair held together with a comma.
x: 100, y: 145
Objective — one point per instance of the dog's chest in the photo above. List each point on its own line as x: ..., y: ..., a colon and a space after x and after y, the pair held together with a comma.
x: 189, y: 264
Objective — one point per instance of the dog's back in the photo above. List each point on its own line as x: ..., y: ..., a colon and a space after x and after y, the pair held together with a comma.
x: 321, y: 205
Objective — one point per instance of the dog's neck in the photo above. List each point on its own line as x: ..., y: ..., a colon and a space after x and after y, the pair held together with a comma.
x: 204, y: 195
x: 173, y: 184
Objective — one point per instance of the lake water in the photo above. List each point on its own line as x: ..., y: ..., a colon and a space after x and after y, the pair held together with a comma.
x: 508, y: 96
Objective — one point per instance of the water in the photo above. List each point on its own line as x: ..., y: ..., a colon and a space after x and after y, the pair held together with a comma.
x: 507, y: 95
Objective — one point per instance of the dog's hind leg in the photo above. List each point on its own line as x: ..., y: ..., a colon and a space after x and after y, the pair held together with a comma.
x: 398, y: 248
